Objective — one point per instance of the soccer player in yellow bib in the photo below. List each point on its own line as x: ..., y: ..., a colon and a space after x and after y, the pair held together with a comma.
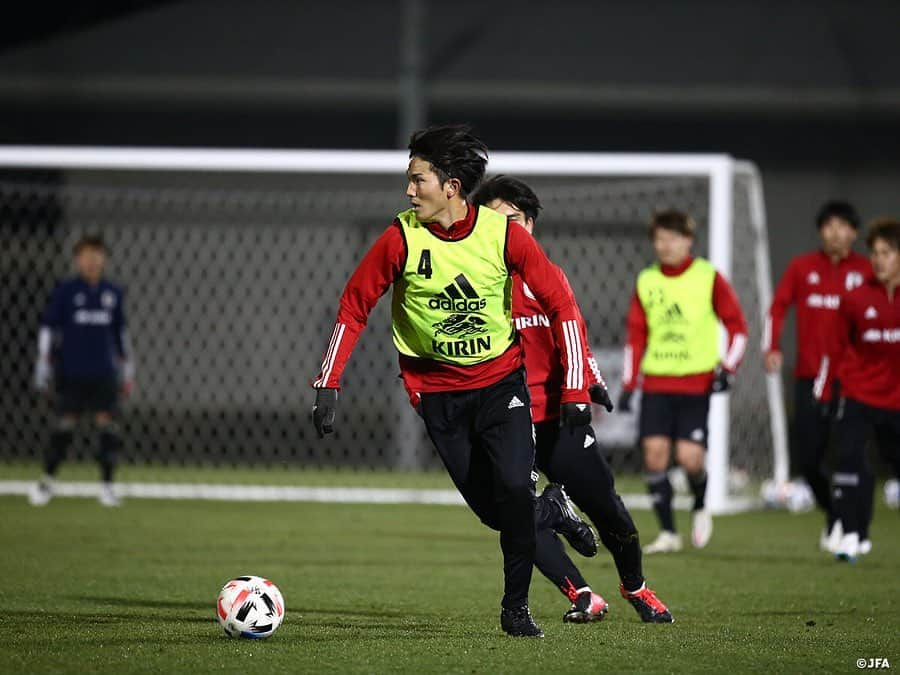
x: 450, y: 265
x: 673, y: 343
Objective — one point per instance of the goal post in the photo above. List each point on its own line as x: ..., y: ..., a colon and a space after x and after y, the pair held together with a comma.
x: 222, y: 251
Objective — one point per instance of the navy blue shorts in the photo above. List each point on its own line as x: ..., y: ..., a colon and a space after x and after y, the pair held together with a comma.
x: 78, y: 396
x: 677, y: 416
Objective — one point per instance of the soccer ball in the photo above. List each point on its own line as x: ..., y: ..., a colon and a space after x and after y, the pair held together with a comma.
x: 250, y: 607
x: 795, y: 496
x: 892, y: 494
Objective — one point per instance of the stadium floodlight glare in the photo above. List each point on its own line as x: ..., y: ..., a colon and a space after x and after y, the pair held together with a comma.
x: 233, y: 260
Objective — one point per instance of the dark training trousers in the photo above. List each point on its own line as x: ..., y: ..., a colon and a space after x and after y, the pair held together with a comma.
x: 571, y: 457
x: 810, y: 443
x: 484, y: 438
x: 854, y: 480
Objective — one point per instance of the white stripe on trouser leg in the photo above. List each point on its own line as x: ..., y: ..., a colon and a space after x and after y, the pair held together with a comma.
x: 821, y: 376
x: 847, y: 479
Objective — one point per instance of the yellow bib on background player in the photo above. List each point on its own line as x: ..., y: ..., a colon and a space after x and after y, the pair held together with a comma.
x: 440, y: 312
x: 683, y: 329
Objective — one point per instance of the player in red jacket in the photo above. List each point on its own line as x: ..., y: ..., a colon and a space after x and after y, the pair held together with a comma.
x: 814, y: 283
x: 866, y: 358
x: 570, y: 455
x: 673, y: 341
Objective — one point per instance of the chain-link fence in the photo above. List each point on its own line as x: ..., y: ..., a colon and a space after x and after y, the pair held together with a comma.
x: 232, y: 281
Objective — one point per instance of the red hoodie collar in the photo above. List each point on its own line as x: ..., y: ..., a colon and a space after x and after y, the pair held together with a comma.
x: 850, y: 254
x: 458, y: 229
x: 671, y: 271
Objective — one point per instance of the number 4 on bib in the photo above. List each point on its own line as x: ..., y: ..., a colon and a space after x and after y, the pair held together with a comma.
x: 424, y: 267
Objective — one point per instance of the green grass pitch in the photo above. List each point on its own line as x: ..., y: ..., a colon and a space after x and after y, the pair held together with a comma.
x: 375, y: 589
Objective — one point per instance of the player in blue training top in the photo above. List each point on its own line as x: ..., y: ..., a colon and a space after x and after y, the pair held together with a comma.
x: 83, y: 350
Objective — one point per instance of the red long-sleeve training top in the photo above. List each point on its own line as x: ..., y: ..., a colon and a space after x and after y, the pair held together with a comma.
x: 727, y: 308
x: 814, y: 284
x: 543, y: 365
x: 866, y: 348
x: 383, y: 264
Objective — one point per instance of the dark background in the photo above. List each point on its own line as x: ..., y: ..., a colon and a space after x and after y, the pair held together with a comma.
x: 810, y: 91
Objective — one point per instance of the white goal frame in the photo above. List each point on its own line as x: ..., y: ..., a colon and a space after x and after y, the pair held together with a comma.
x: 720, y: 170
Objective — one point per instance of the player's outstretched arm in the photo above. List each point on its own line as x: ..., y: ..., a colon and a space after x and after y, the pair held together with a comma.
x: 596, y: 384
x: 378, y: 269
x: 771, y: 337
x: 43, y: 367
x: 728, y: 309
x: 526, y: 257
x: 124, y: 352
x: 50, y: 321
x: 635, y: 345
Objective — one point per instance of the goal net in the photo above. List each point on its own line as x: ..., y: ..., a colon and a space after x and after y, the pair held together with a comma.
x: 233, y: 262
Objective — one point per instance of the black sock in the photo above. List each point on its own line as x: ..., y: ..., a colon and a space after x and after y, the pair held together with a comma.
x: 661, y: 491
x: 626, y: 552
x: 106, y: 455
x: 60, y: 440
x: 697, y: 482
x: 866, y: 507
x: 845, y: 498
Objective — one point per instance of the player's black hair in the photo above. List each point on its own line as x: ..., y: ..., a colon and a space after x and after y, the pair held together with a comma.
x: 837, y: 209
x: 510, y: 190
x: 90, y: 241
x: 453, y: 152
x: 886, y: 229
x: 674, y: 220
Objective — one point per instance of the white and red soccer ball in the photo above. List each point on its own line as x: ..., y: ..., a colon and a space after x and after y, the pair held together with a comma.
x: 250, y: 607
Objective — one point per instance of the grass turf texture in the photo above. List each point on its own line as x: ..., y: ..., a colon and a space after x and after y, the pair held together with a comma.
x: 416, y: 589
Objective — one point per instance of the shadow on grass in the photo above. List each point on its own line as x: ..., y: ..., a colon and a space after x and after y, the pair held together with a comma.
x: 143, y: 603
x: 364, y: 614
x: 821, y: 560
x: 802, y: 614
x: 96, y: 617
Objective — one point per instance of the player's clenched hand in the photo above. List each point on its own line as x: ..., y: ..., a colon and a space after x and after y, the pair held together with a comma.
x: 43, y: 374
x: 722, y: 380
x: 323, y: 411
x: 600, y: 396
x: 575, y: 414
x: 625, y: 401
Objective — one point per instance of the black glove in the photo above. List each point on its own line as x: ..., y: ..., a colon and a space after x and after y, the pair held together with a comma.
x: 600, y: 396
x: 575, y: 414
x: 722, y: 380
x: 323, y: 411
x: 625, y: 401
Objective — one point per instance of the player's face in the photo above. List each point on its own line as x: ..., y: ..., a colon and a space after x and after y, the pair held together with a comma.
x: 512, y: 212
x: 837, y: 236
x: 672, y: 248
x: 885, y: 262
x: 90, y: 262
x: 427, y: 195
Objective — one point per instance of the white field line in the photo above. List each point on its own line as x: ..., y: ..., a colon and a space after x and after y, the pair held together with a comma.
x: 274, y: 493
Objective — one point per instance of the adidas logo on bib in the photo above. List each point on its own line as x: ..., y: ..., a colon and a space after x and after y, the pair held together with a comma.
x: 515, y: 403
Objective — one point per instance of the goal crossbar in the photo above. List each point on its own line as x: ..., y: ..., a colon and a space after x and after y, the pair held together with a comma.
x: 721, y: 171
